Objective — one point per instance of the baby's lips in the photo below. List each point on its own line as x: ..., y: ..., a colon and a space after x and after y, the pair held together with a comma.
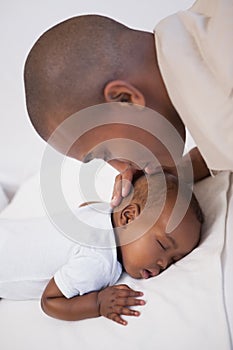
x: 145, y: 273
x: 149, y: 273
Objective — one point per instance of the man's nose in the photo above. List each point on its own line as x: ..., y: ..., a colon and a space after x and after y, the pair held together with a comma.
x: 119, y: 165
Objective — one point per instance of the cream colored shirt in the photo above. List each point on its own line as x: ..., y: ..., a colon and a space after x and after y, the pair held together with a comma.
x: 195, y: 55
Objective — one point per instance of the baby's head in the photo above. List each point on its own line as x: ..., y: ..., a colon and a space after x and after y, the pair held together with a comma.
x: 148, y: 213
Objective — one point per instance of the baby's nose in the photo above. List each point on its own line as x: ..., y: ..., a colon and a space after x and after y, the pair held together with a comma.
x: 163, y: 263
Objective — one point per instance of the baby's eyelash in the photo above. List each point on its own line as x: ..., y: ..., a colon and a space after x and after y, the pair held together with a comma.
x: 161, y: 245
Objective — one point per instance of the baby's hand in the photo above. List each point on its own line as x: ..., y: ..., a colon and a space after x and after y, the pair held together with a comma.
x: 116, y: 300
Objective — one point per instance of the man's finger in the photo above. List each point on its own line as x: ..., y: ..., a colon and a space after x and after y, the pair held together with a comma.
x: 119, y: 165
x: 127, y: 177
x: 152, y: 169
x: 116, y: 197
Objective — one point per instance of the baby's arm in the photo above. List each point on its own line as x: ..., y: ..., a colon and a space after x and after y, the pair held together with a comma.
x: 111, y: 302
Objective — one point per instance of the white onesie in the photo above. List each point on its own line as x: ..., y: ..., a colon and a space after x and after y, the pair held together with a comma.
x: 33, y: 251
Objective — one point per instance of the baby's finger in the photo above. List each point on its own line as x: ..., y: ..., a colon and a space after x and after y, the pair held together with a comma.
x: 116, y: 318
x: 126, y: 311
x: 130, y: 302
x: 129, y: 293
x: 122, y: 286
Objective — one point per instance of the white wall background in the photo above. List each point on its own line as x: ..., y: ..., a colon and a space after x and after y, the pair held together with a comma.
x: 21, y: 23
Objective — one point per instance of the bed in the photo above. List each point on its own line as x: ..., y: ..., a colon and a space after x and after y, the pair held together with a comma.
x: 189, y: 306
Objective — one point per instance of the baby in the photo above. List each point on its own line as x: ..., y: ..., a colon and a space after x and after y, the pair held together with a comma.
x: 77, y: 281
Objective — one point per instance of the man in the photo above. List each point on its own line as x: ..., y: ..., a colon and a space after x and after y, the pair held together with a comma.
x: 181, y: 73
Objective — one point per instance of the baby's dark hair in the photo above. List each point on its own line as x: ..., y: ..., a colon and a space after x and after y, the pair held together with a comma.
x: 161, y: 186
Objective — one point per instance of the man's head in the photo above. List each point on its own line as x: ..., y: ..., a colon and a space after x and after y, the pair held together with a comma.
x: 89, y: 60
x: 155, y: 250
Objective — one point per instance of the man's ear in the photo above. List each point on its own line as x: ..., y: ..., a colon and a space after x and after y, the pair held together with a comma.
x: 121, y: 91
x: 129, y: 213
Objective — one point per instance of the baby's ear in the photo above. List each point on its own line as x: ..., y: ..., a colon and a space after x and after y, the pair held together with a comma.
x: 129, y: 213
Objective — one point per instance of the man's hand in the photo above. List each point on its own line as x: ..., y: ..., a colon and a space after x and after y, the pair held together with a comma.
x: 127, y: 173
x: 116, y: 301
x: 122, y: 185
x: 123, y: 180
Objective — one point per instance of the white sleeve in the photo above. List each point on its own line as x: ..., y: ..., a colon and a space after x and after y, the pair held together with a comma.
x: 82, y: 274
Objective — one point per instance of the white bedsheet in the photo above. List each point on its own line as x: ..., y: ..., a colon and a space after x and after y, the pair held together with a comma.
x: 3, y: 199
x: 227, y: 262
x: 189, y: 306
